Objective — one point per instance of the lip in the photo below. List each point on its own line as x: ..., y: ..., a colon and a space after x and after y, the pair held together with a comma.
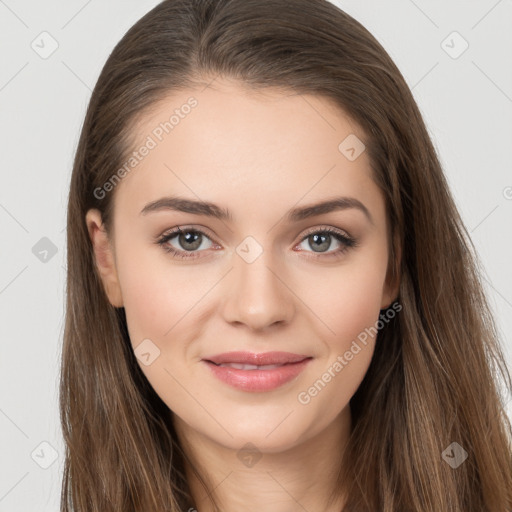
x: 257, y: 359
x: 289, y: 366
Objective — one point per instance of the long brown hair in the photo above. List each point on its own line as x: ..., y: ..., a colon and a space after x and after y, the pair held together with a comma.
x: 434, y: 376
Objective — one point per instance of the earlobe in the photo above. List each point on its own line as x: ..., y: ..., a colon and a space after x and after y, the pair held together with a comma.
x: 104, y: 258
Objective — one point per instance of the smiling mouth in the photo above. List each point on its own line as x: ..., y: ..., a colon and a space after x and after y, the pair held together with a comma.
x: 258, y: 377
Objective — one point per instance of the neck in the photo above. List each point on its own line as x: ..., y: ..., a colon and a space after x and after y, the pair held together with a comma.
x: 304, y: 477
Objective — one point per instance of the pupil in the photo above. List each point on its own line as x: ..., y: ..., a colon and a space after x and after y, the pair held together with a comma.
x: 321, y: 245
x: 190, y: 238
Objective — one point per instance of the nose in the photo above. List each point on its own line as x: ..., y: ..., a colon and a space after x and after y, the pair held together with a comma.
x: 257, y: 294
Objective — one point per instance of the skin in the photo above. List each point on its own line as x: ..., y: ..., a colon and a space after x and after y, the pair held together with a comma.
x: 258, y: 154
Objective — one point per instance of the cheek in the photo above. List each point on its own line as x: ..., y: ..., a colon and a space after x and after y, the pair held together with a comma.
x: 348, y: 300
x: 351, y: 311
x: 147, y: 315
x: 349, y: 304
x: 158, y: 301
x: 158, y: 295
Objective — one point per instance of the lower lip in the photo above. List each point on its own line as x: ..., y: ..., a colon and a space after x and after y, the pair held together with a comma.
x: 258, y: 380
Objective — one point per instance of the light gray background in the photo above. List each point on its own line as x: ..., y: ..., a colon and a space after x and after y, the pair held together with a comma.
x: 466, y: 102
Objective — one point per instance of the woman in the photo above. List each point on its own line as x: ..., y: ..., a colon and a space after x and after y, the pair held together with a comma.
x: 324, y: 343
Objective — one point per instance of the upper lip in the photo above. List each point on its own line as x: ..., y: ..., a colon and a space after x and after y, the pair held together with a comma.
x: 261, y: 359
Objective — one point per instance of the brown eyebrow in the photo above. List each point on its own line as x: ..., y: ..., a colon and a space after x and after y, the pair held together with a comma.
x: 294, y: 215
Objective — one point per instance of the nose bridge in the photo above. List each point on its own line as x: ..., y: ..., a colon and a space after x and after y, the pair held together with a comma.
x: 257, y: 296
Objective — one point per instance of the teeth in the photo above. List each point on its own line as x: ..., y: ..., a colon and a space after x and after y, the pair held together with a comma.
x: 239, y: 366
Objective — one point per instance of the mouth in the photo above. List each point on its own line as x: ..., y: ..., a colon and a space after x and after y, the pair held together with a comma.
x: 257, y: 372
x: 255, y: 359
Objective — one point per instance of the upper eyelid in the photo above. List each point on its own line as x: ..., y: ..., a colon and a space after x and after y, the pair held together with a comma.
x: 174, y: 231
x: 340, y: 231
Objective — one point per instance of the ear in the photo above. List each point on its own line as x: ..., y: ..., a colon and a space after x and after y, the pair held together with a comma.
x: 104, y: 257
x: 392, y: 282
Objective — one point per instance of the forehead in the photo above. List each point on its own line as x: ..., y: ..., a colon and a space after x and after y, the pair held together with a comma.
x: 227, y: 141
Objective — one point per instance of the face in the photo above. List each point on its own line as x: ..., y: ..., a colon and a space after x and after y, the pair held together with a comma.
x: 272, y: 276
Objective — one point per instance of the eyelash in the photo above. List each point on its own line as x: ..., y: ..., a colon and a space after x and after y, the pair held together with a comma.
x: 346, y: 241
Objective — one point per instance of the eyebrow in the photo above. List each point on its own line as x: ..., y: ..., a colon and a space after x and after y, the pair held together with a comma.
x: 294, y: 215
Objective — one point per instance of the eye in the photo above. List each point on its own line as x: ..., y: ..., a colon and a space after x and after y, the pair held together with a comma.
x: 189, y: 239
x: 321, y: 239
x: 190, y: 242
